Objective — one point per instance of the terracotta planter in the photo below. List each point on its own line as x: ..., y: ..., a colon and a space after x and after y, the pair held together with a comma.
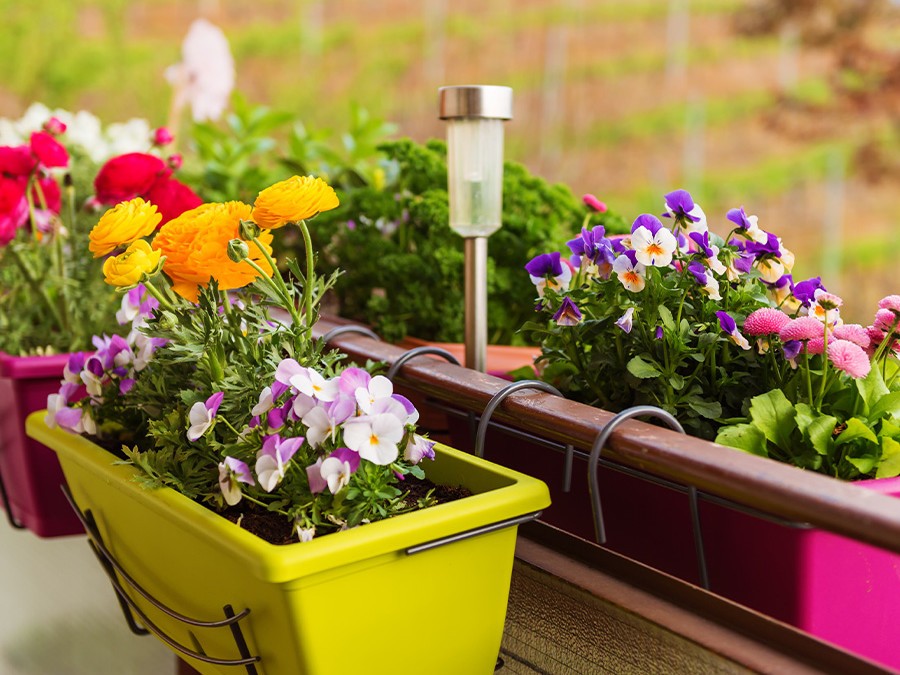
x: 332, y: 605
x: 835, y: 588
x: 29, y: 470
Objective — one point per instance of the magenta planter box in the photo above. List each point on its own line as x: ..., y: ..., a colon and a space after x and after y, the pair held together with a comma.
x: 30, y: 470
x: 835, y: 588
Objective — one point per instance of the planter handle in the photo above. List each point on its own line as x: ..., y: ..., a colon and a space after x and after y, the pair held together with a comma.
x: 498, y: 398
x: 8, y: 507
x: 111, y: 566
x: 594, y: 482
x: 468, y: 534
x: 343, y: 330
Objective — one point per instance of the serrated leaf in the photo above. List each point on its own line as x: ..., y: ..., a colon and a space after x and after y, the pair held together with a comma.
x: 641, y: 369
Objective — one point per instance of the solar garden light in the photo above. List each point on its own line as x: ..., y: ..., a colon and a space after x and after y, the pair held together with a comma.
x: 475, y: 115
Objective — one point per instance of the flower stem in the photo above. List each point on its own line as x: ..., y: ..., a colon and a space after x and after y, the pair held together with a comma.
x: 38, y: 287
x: 279, y: 287
x: 310, y: 270
x: 155, y: 292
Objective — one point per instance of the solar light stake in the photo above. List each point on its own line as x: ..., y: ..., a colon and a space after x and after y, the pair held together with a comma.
x: 475, y: 115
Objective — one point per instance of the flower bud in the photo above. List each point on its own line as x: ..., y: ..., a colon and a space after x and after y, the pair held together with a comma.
x: 238, y: 250
x: 54, y: 126
x: 162, y: 136
x: 248, y: 230
x: 175, y: 161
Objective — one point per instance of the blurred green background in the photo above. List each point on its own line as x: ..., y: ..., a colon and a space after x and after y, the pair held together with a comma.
x: 790, y: 108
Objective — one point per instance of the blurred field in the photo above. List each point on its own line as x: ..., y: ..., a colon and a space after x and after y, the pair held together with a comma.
x: 624, y: 100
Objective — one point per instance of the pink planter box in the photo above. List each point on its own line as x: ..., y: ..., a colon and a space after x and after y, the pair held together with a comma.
x: 835, y: 588
x: 30, y: 470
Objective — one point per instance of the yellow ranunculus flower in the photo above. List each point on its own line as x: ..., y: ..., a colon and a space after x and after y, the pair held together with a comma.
x: 196, y: 248
x: 291, y: 200
x: 128, y: 268
x: 124, y: 223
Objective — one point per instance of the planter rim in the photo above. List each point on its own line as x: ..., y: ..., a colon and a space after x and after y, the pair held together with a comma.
x: 32, y: 367
x: 519, y: 495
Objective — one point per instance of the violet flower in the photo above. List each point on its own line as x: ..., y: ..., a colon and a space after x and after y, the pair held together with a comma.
x: 568, y: 314
x: 233, y: 472
x: 202, y: 415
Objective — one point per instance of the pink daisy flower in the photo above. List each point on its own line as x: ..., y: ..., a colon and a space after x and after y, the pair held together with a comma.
x: 766, y: 321
x: 849, y: 358
x: 802, y: 328
x: 816, y: 346
x: 854, y: 333
x: 884, y: 319
x: 891, y: 302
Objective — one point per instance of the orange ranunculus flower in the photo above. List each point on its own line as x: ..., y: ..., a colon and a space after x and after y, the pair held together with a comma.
x: 128, y: 269
x: 291, y: 200
x: 196, y: 248
x: 123, y: 224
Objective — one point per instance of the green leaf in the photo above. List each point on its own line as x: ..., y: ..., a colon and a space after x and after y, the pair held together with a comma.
x: 819, y: 429
x: 774, y: 415
x: 744, y: 437
x: 889, y: 466
x: 640, y: 368
x: 856, y: 429
x: 872, y: 388
x: 665, y: 315
x: 864, y: 464
x: 708, y: 409
x: 677, y: 382
x: 887, y: 406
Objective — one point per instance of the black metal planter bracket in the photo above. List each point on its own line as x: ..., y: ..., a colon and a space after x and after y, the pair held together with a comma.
x: 594, y: 481
x: 419, y: 351
x: 344, y: 330
x: 422, y: 351
x: 114, y: 570
x: 8, y: 507
x: 501, y: 396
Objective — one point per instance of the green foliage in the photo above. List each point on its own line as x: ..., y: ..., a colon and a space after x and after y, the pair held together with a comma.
x: 403, y: 265
x: 52, y: 294
x: 860, y: 440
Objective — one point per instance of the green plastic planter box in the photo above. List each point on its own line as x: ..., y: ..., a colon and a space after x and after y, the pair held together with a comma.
x: 361, y: 601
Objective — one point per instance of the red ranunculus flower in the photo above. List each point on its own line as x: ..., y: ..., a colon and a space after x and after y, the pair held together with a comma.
x: 51, y: 195
x: 171, y: 198
x: 16, y: 160
x: 128, y: 176
x: 48, y: 150
x: 13, y: 208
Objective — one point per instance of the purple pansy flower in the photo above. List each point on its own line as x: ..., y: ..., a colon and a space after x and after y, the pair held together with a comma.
x: 202, y: 415
x: 679, y: 203
x: 805, y: 291
x: 726, y: 322
x: 568, y: 314
x: 545, y: 264
x: 272, y: 459
x: 337, y: 468
x: 233, y: 472
x: 625, y: 321
x: 770, y: 246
